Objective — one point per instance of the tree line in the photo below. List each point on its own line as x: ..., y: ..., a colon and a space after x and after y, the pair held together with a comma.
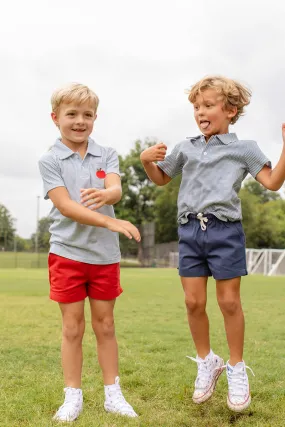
x: 143, y: 202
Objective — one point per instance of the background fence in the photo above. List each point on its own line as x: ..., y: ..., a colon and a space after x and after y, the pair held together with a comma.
x: 23, y: 260
x: 269, y: 262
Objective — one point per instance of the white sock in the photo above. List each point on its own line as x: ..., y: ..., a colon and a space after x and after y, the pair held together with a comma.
x: 208, y: 356
x: 73, y: 388
x: 112, y: 388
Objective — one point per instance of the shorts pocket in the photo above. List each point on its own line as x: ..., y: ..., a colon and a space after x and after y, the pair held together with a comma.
x: 238, y: 226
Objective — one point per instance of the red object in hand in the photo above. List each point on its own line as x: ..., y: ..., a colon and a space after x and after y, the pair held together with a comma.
x: 100, y: 173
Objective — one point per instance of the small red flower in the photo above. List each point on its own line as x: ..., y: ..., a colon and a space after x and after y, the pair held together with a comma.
x: 100, y: 173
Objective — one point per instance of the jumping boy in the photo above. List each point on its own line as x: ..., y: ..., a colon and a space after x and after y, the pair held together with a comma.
x: 82, y: 180
x: 211, y: 237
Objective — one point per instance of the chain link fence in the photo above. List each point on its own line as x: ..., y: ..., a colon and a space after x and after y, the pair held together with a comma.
x: 23, y: 260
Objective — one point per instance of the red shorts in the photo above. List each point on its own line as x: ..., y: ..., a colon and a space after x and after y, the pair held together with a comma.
x: 72, y: 281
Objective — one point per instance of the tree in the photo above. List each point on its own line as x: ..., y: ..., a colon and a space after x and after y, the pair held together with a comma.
x: 250, y: 205
x: 7, y: 229
x: 263, y: 195
x: 263, y: 221
x: 166, y: 212
x: 270, y: 225
x: 139, y: 192
x: 43, y: 234
x: 23, y: 245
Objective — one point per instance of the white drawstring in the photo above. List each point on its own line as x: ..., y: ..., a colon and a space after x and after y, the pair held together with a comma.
x: 202, y: 220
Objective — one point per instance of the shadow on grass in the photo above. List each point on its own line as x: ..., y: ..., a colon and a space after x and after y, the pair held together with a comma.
x: 236, y: 417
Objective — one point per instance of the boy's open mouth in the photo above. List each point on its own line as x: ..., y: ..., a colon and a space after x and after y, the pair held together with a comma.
x: 204, y: 124
x: 78, y: 130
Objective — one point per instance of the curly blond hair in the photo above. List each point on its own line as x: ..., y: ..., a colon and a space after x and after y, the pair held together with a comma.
x: 74, y: 92
x: 233, y: 93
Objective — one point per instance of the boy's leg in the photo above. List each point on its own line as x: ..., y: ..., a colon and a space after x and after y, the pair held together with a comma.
x: 228, y: 295
x: 209, y: 364
x: 68, y: 288
x: 195, y: 291
x: 104, y: 329
x: 73, y: 326
x: 103, y: 325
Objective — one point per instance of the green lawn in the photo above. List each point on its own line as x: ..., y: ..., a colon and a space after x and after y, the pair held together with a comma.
x: 153, y: 337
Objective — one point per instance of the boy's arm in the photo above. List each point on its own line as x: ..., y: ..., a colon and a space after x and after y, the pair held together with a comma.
x: 54, y: 189
x: 73, y: 210
x: 109, y: 196
x: 273, y: 179
x: 153, y: 154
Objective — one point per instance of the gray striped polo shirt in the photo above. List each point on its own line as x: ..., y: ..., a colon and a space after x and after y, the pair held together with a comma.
x: 62, y: 167
x: 212, y: 174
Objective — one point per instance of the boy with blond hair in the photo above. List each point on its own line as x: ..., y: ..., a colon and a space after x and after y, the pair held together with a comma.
x: 82, y: 180
x: 211, y: 237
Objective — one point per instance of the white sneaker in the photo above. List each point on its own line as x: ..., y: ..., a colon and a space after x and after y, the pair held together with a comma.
x: 115, y: 401
x: 239, y: 393
x: 72, y: 406
x: 209, y: 370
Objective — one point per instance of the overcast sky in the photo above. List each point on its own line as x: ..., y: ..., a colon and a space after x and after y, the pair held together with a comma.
x: 138, y: 56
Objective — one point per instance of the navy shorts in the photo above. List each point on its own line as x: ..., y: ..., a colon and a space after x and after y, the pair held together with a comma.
x: 219, y: 251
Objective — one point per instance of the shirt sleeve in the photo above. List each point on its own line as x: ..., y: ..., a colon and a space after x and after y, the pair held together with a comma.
x: 255, y: 158
x: 173, y: 164
x: 50, y: 173
x: 112, y: 162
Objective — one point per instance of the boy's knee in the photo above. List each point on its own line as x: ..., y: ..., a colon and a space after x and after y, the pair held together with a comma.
x: 195, y: 306
x: 229, y: 306
x: 104, y: 326
x: 73, y: 331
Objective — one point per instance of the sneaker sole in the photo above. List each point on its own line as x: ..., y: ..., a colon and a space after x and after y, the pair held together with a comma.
x: 238, y: 408
x: 110, y: 411
x: 211, y: 390
x: 69, y: 420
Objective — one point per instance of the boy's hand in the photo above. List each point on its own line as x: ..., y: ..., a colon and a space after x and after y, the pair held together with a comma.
x: 283, y: 132
x: 155, y: 153
x: 124, y: 227
x: 94, y: 198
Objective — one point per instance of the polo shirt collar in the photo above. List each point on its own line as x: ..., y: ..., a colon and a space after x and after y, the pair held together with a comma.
x: 226, y: 138
x: 64, y: 152
x: 93, y: 148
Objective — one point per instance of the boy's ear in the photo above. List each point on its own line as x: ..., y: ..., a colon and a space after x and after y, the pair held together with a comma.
x: 232, y: 110
x: 54, y: 118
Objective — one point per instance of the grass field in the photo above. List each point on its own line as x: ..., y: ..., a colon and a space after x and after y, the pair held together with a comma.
x: 153, y: 337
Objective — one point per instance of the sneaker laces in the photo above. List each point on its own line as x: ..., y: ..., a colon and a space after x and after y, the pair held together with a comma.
x: 71, y: 402
x: 238, y: 381
x: 203, y: 376
x: 202, y: 220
